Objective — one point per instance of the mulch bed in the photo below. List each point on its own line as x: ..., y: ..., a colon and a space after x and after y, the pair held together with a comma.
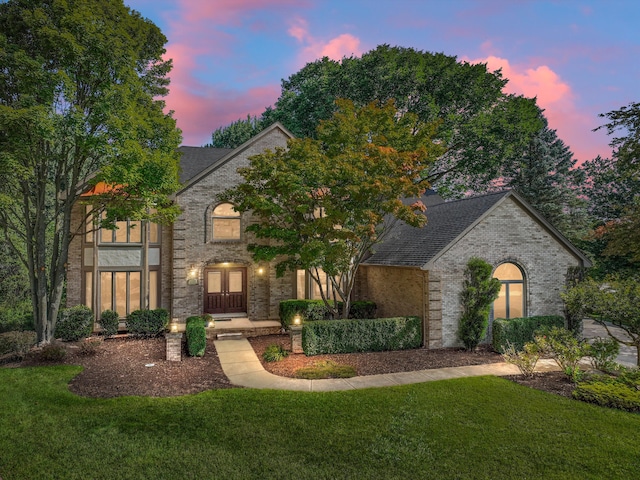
x: 129, y: 366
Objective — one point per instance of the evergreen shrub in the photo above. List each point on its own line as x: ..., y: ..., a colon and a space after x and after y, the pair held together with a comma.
x: 308, y: 310
x: 196, y: 336
x: 373, y: 335
x: 74, y: 323
x: 519, y: 331
x: 148, y: 323
x: 109, y: 322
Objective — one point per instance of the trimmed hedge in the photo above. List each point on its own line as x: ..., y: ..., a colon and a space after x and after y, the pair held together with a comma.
x: 109, y: 322
x: 74, y: 323
x: 518, y: 331
x: 373, y: 335
x: 307, y: 309
x: 148, y: 323
x: 312, y: 310
x: 196, y: 336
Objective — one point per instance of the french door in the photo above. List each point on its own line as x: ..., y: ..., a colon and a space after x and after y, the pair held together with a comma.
x: 225, y: 290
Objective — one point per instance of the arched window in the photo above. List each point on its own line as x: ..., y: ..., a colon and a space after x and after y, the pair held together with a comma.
x: 225, y: 222
x: 510, y: 301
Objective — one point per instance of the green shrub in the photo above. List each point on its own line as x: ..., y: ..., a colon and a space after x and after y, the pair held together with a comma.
x: 518, y: 331
x: 622, y: 392
x: 109, y: 322
x: 326, y: 369
x: 308, y: 310
x: 196, y: 336
x: 346, y: 336
x: 90, y: 346
x: 479, y: 290
x: 564, y: 348
x: 360, y: 309
x: 603, y: 352
x: 74, y: 323
x: 17, y: 343
x: 52, y: 353
x: 148, y: 323
x: 16, y: 317
x: 525, y: 359
x: 274, y: 353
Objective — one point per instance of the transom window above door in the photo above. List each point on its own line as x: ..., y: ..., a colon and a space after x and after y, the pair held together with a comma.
x: 225, y: 223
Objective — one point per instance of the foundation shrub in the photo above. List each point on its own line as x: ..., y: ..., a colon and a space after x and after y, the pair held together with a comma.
x: 603, y: 352
x: 196, y: 336
x: 74, y: 323
x: 371, y: 335
x: 17, y: 343
x: 361, y: 309
x: 109, y: 322
x: 309, y: 310
x: 148, y: 323
x: 518, y: 331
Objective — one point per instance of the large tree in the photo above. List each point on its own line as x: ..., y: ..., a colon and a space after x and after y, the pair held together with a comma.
x: 80, y: 88
x: 477, y: 122
x: 321, y: 204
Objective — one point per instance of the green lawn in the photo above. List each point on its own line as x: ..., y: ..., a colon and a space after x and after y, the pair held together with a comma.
x: 480, y: 427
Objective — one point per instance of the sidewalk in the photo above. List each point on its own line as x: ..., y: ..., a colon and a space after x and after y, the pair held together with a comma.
x: 243, y: 368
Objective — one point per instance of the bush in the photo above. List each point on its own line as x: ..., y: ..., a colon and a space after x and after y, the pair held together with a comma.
x: 74, y: 323
x: 148, y: 323
x: 308, y: 310
x: 525, y: 359
x: 478, y: 293
x: 360, y: 309
x: 564, y: 348
x: 17, y: 343
x: 622, y: 392
x: 347, y: 336
x: 603, y: 352
x: 326, y: 369
x: 109, y: 322
x: 518, y: 331
x: 196, y: 336
x: 52, y: 353
x: 16, y: 317
x: 90, y: 346
x: 274, y: 353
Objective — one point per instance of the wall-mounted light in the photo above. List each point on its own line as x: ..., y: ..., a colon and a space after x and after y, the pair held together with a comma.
x: 192, y: 277
x: 260, y: 270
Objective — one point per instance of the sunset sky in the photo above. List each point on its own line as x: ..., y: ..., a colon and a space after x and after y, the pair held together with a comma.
x: 580, y: 58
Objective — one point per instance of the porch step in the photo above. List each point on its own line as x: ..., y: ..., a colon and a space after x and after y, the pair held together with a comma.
x: 229, y: 336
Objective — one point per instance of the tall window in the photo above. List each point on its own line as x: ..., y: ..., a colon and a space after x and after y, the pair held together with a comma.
x: 307, y: 287
x: 225, y: 222
x: 120, y: 291
x: 510, y: 301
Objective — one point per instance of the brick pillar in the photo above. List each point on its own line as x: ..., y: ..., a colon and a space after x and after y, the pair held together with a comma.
x: 174, y: 346
x: 295, y: 332
x: 435, y: 311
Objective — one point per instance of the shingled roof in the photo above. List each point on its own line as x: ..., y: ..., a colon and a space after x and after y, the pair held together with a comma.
x: 196, y: 159
x: 409, y: 246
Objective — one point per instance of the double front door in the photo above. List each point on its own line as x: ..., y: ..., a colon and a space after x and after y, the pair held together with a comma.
x: 225, y: 290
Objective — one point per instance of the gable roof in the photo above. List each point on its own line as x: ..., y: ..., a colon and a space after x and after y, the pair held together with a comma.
x: 447, y: 223
x: 198, y: 162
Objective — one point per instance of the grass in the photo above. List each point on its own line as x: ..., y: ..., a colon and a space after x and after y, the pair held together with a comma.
x: 326, y: 369
x: 481, y: 427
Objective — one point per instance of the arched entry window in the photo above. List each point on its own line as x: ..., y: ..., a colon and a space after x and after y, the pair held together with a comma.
x: 510, y: 301
x: 225, y: 222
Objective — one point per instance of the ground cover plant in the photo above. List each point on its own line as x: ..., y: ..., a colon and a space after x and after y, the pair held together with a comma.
x: 482, y: 427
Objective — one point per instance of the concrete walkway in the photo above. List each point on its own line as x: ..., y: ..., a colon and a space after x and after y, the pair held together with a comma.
x: 628, y: 355
x: 243, y: 368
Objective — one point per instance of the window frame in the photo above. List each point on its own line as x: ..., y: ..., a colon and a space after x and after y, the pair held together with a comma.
x: 212, y: 221
x: 507, y: 283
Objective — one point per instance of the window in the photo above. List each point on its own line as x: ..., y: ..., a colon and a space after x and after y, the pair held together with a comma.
x: 225, y: 223
x: 510, y: 301
x: 126, y: 232
x: 308, y: 288
x: 120, y: 291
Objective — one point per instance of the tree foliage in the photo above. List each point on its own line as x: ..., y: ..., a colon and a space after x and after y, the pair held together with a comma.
x: 479, y: 291
x: 321, y: 203
x: 80, y: 84
x: 477, y: 123
x: 236, y: 133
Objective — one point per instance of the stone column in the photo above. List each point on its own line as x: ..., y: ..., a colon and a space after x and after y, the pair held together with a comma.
x: 295, y: 332
x: 174, y: 346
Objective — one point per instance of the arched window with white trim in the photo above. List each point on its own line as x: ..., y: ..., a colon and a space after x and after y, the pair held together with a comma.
x: 510, y: 301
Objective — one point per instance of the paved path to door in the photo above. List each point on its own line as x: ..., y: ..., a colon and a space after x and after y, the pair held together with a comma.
x: 243, y: 368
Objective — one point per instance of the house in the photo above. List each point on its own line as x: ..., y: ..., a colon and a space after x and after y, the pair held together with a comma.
x: 200, y: 264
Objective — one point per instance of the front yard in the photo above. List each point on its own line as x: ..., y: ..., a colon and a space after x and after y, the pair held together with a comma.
x: 480, y: 427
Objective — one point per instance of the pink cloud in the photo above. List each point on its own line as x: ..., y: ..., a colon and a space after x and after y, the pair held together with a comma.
x: 556, y: 97
x: 336, y: 48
